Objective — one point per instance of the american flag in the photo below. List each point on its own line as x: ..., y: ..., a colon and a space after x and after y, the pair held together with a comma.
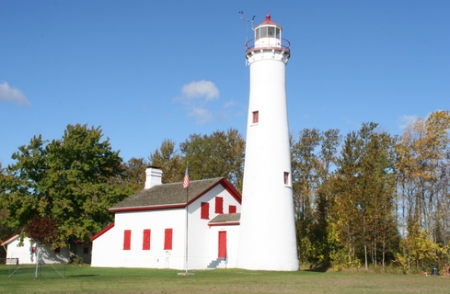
x: 186, y: 179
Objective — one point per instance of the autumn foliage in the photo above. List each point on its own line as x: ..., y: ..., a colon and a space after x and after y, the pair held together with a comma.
x: 42, y: 229
x: 366, y: 198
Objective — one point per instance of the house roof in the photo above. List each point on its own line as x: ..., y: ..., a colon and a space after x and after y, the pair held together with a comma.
x: 105, y: 229
x: 226, y: 219
x: 172, y: 195
x: 10, y: 239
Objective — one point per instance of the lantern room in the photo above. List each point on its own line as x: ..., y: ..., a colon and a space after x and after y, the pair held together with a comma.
x: 268, y: 37
x: 267, y: 34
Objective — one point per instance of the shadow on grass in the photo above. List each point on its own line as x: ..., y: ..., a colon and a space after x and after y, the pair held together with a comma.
x: 79, y: 276
x: 317, y: 269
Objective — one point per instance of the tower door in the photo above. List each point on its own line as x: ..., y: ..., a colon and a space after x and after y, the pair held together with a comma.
x: 222, y: 244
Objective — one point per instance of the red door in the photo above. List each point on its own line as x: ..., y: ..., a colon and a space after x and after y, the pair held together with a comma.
x: 222, y: 244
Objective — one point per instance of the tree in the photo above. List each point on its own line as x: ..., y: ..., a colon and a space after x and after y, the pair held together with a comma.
x: 168, y: 158
x: 5, y: 231
x: 69, y: 181
x: 313, y: 156
x: 323, y: 234
x: 134, y: 172
x: 42, y: 229
x: 305, y: 169
x: 364, y: 188
x: 220, y: 154
x: 423, y: 164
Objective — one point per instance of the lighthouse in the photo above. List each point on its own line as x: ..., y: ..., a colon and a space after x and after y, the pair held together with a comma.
x: 267, y: 235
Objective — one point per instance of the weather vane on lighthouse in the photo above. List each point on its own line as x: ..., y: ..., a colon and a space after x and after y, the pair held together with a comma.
x: 248, y: 21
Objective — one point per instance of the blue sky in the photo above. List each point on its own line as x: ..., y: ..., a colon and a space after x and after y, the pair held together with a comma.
x: 145, y: 71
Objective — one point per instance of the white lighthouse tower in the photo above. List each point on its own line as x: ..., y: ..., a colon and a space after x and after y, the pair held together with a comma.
x: 267, y: 235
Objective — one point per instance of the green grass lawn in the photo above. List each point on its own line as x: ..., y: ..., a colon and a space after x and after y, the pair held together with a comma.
x: 122, y: 280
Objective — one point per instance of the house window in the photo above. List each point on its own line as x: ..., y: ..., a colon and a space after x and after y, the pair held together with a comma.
x: 168, y: 239
x: 286, y: 178
x: 232, y: 209
x: 146, y: 240
x: 219, y: 205
x: 126, y: 240
x: 86, y: 250
x: 57, y: 250
x: 255, y: 117
x: 205, y: 210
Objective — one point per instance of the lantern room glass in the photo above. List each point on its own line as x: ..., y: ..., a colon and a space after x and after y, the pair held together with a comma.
x: 268, y: 32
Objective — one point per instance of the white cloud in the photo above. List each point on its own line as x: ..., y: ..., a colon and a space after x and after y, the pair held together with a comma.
x: 201, y: 89
x: 201, y: 115
x: 10, y: 94
x: 230, y: 103
x: 195, y: 96
x: 406, y: 120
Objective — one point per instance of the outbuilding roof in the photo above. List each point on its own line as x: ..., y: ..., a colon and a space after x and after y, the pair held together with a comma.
x: 9, y: 240
x: 172, y: 195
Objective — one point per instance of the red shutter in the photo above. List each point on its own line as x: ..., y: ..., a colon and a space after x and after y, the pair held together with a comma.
x: 57, y: 250
x: 219, y: 205
x: 126, y: 240
x: 146, y: 240
x: 168, y: 239
x: 204, y: 210
x: 232, y: 209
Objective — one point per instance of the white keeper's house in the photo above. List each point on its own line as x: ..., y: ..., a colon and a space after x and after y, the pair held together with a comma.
x: 149, y: 228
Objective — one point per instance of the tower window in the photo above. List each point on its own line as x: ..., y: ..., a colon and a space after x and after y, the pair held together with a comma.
x: 286, y: 178
x: 255, y: 117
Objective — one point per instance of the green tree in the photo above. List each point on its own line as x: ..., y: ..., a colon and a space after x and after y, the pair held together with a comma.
x: 364, y: 189
x: 313, y: 157
x: 134, y: 172
x: 5, y: 231
x: 305, y: 169
x: 220, y: 154
x: 69, y: 180
x: 169, y: 159
x: 323, y: 236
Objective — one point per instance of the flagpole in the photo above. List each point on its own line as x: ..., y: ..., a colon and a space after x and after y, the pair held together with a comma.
x: 186, y: 184
x: 187, y: 228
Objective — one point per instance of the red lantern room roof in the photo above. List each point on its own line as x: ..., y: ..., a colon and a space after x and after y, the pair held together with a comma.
x: 268, y: 21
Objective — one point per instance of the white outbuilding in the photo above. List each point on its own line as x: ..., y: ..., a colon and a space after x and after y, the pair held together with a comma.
x: 149, y: 229
x: 27, y: 252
